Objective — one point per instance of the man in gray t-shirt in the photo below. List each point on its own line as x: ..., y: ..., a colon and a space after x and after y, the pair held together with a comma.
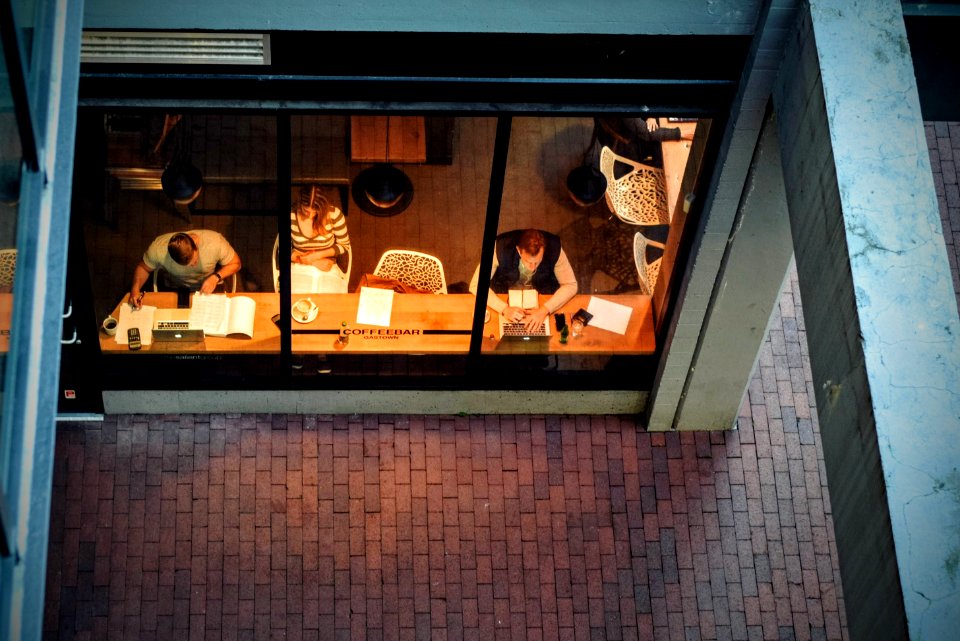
x: 198, y: 260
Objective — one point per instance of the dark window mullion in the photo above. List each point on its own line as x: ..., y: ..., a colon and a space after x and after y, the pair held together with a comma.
x: 284, y: 178
x: 501, y: 147
x: 7, y: 541
x: 16, y: 73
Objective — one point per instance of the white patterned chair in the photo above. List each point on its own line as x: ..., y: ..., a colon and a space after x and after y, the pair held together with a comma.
x: 646, y: 272
x: 638, y: 197
x: 412, y: 268
x: 8, y: 267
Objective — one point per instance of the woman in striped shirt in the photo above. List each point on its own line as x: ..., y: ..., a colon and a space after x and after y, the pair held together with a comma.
x: 318, y: 231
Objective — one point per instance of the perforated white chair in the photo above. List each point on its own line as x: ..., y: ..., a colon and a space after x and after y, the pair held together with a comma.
x: 232, y: 286
x: 646, y: 272
x: 320, y: 282
x: 412, y: 268
x: 8, y: 267
x: 639, y: 197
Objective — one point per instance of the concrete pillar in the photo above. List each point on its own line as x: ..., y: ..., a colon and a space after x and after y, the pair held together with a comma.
x: 880, y: 314
x: 751, y: 278
x: 721, y: 204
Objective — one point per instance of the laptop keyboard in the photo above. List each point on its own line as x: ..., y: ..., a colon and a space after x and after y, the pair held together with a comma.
x: 173, y: 324
x: 511, y: 328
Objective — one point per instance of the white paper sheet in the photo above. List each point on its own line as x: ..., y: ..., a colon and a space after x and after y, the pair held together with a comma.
x: 375, y: 306
x: 141, y: 318
x: 608, y: 315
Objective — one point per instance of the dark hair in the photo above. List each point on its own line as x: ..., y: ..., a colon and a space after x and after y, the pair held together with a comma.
x: 531, y: 241
x: 181, y: 248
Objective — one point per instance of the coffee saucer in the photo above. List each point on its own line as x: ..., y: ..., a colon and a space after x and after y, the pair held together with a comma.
x: 310, y: 316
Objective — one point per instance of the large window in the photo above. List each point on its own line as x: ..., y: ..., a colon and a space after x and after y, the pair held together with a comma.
x: 10, y: 159
x: 378, y: 245
x: 12, y: 117
x: 417, y: 163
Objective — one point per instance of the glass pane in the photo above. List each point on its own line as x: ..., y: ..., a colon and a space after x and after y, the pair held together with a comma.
x: 10, y: 164
x: 577, y: 192
x: 26, y: 16
x: 210, y: 177
x: 409, y: 232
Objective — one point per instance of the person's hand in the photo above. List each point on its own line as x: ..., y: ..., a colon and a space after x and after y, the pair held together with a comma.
x: 514, y: 314
x: 652, y: 124
x: 296, y: 257
x: 535, y: 319
x: 136, y: 298
x: 323, y: 264
x: 209, y: 284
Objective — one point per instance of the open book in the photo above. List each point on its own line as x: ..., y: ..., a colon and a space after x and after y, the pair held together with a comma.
x: 218, y: 315
x: 523, y: 298
x: 307, y: 279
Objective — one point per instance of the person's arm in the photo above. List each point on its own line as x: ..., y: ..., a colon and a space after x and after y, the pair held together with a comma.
x: 563, y: 270
x: 140, y: 275
x: 341, y: 242
x: 651, y: 130
x: 220, y: 274
x: 324, y: 258
x: 494, y: 302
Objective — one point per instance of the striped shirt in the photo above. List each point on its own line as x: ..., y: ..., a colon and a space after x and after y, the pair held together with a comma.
x: 333, y: 234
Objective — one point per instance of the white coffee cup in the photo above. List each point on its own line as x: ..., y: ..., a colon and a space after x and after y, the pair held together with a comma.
x: 303, y: 306
x: 110, y: 325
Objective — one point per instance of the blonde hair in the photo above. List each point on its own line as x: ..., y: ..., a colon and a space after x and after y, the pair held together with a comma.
x: 314, y: 205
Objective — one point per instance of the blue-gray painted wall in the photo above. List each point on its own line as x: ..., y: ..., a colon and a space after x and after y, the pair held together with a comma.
x: 674, y: 17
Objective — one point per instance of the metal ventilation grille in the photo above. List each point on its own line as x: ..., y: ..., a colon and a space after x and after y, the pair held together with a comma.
x: 155, y: 47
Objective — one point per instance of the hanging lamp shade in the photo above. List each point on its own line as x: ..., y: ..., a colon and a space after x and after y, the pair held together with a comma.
x: 181, y: 181
x: 586, y: 185
x: 382, y: 190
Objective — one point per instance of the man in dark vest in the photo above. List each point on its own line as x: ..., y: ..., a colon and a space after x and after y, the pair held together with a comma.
x: 529, y: 258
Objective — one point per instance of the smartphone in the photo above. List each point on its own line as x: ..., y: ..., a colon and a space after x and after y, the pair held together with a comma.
x: 561, y: 320
x: 133, y: 338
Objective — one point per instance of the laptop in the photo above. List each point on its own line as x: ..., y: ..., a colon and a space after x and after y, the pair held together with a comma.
x: 173, y: 326
x: 517, y: 330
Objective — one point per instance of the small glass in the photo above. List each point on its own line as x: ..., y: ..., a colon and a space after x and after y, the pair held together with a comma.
x: 564, y: 332
x: 576, y: 326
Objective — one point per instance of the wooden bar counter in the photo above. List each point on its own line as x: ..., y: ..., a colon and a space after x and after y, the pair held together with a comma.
x: 639, y: 338
x: 675, y: 154
x: 419, y: 324
x: 6, y: 313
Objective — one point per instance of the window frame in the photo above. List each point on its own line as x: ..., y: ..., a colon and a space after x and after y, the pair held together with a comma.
x: 416, y: 87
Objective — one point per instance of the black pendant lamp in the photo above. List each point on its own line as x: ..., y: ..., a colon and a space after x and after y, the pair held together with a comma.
x: 585, y: 184
x: 181, y: 180
x: 382, y: 190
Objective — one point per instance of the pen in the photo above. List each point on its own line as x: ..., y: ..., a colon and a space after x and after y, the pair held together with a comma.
x: 135, y: 304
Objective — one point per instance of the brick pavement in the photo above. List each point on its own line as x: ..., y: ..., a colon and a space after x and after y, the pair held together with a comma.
x: 500, y: 527
x: 943, y: 140
x: 420, y: 527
